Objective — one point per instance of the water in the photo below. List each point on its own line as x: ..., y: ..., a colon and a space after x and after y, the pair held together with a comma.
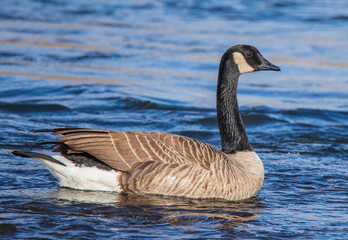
x: 145, y: 65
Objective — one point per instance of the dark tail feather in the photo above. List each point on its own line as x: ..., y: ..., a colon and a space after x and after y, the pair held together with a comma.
x: 36, y: 155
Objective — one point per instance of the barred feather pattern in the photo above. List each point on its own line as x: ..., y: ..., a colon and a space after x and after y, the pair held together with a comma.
x: 168, y: 164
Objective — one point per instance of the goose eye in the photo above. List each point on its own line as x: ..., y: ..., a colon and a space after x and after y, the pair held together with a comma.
x: 249, y: 54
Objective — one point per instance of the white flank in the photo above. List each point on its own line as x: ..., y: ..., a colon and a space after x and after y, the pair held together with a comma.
x: 82, y: 177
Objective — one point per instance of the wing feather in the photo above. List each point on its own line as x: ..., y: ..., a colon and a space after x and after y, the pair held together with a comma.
x: 121, y: 150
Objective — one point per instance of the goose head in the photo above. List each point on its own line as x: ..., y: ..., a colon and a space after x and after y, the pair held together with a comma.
x: 237, y: 60
x: 247, y: 59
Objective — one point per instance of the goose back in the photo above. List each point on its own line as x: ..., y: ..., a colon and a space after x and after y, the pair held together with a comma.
x: 121, y: 150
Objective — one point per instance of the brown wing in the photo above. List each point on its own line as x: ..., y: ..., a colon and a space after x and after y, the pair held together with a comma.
x: 121, y: 150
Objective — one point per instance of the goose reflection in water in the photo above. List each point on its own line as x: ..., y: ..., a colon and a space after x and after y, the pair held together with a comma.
x: 185, y: 212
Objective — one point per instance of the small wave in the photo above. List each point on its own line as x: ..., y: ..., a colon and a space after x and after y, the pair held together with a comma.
x: 133, y: 103
x: 302, y: 115
x: 259, y: 119
x: 334, y: 18
x: 88, y: 56
x: 28, y: 107
x: 340, y: 17
x: 197, y: 134
x: 6, y: 55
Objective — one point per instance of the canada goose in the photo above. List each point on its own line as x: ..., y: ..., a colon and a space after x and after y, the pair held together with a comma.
x: 164, y: 163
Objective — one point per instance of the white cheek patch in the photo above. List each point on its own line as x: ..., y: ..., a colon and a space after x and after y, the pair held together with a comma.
x: 243, y: 66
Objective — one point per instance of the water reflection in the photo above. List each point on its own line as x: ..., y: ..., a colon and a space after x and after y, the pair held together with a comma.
x: 173, y: 210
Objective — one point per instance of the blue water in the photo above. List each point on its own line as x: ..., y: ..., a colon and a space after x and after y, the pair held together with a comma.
x: 152, y: 65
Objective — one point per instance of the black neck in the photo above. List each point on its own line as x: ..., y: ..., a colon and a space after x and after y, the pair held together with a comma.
x: 232, y: 131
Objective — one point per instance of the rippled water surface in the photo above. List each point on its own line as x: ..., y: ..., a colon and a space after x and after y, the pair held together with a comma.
x: 152, y: 65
